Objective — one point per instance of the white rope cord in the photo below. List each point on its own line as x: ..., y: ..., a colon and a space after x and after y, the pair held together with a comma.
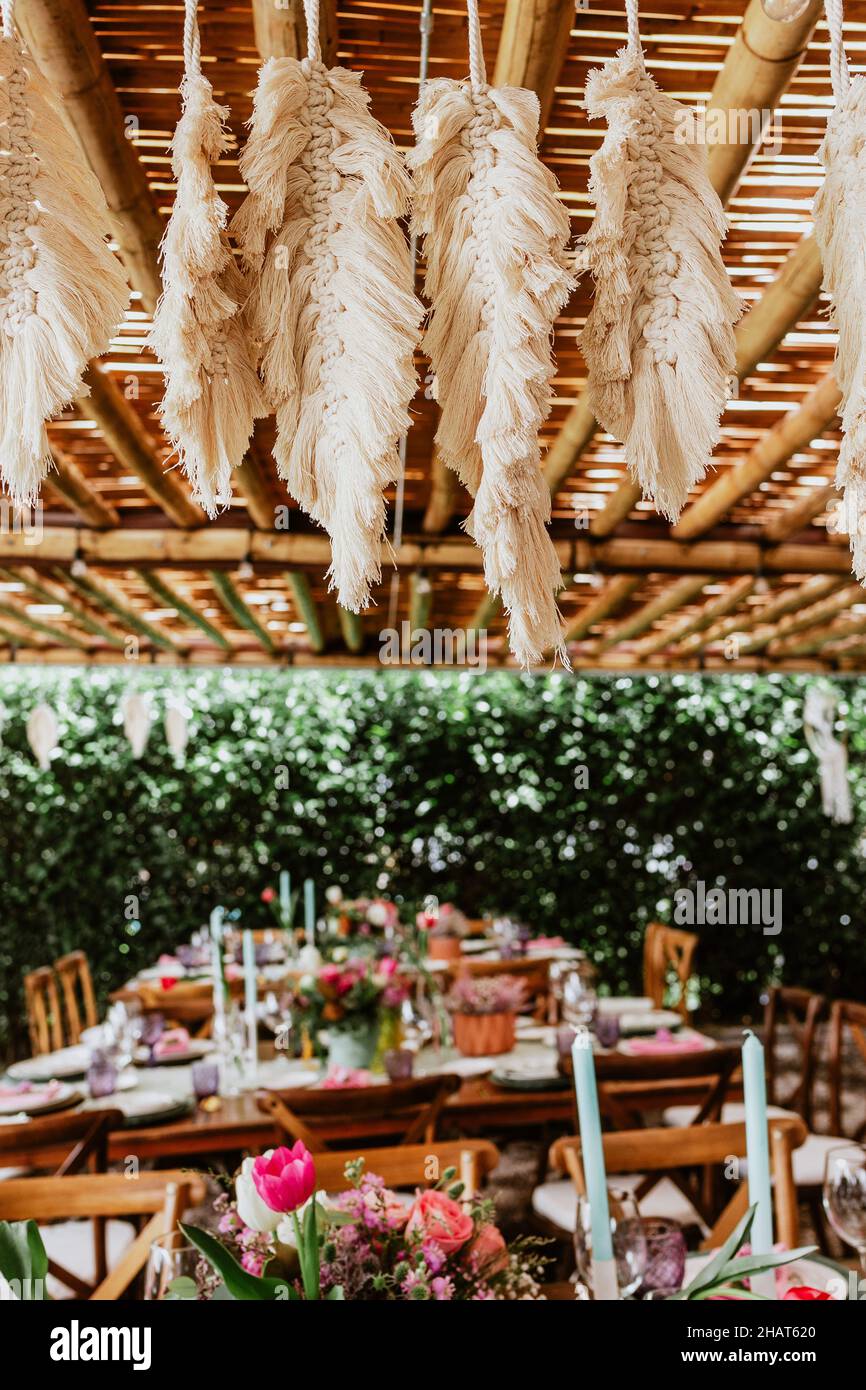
x: 8, y: 27
x: 631, y: 16
x: 838, y: 61
x: 311, y: 15
x: 191, y: 39
x: 477, y: 70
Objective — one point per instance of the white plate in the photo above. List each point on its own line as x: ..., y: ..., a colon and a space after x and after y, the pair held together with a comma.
x: 536, y: 1032
x: 475, y: 944
x: 649, y: 1021
x: 198, y: 1048
x: 625, y: 1004
x: 32, y: 1102
x: 144, y: 1102
x: 458, y: 1066
x: 53, y: 1066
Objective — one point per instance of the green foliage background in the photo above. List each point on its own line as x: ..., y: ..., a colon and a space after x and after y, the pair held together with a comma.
x: 465, y: 785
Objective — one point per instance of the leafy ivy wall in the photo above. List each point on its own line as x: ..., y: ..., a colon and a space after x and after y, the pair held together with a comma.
x: 579, y: 803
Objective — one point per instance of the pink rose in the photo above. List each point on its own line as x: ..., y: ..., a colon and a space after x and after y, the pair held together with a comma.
x: 436, y: 1216
x: 268, y: 895
x: 285, y: 1178
x: 488, y: 1253
x: 387, y: 965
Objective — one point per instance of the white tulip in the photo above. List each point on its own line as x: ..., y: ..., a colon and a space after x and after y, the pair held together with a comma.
x: 251, y: 1209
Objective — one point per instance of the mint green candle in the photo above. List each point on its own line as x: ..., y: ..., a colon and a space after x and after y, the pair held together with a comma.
x: 758, y: 1155
x: 309, y: 911
x: 604, y: 1268
x: 285, y: 894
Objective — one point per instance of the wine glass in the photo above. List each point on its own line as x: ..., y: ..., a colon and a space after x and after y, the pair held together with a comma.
x: 629, y: 1241
x: 845, y: 1195
x: 175, y: 1271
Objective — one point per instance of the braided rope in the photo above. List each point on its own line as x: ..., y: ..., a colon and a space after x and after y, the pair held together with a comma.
x: 477, y: 70
x: 311, y: 15
x: 652, y: 252
x: 19, y: 210
x: 838, y: 61
x: 631, y: 16
x: 191, y: 39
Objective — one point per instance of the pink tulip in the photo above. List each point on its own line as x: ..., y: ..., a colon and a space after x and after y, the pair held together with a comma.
x: 285, y: 1178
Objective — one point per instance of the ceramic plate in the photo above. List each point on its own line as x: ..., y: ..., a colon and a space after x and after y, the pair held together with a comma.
x: 530, y: 1074
x: 145, y: 1107
x: 198, y: 1048
x: 648, y: 1021
x: 42, y: 1100
x: 625, y: 1004
x: 69, y: 1062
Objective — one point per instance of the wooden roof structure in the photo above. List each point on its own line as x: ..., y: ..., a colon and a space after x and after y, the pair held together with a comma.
x: 755, y: 575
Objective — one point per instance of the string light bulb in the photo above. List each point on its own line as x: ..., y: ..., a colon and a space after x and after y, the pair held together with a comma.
x: 785, y: 11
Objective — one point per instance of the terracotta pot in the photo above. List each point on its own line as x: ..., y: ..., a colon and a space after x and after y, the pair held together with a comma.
x: 483, y: 1035
x: 444, y: 948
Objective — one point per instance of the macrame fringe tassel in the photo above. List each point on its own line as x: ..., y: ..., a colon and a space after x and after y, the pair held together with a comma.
x: 333, y: 303
x: 200, y: 333
x: 62, y: 291
x: 658, y: 342
x: 840, y: 231
x: 495, y: 237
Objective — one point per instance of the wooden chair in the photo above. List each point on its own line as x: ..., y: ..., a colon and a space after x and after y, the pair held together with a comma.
x: 661, y: 1150
x: 405, y: 1111
x: 163, y: 1196
x: 414, y: 1165
x: 845, y: 1017
x: 43, y: 1011
x: 534, y: 973
x: 188, y: 1004
x: 66, y: 1144
x: 801, y: 1010
x: 625, y: 1083
x: 76, y: 983
x: 667, y: 950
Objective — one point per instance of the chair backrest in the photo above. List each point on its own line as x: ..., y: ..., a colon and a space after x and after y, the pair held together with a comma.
x: 534, y: 973
x: 65, y: 1143
x: 801, y: 1010
x: 408, y: 1111
x: 76, y: 982
x: 165, y: 1195
x: 846, y: 1017
x: 188, y: 1003
x: 668, y: 1150
x: 667, y: 951
x: 43, y: 1011
x: 414, y: 1165
x: 621, y: 1076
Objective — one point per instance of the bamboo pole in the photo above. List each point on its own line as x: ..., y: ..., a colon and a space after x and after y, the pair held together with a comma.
x: 104, y: 598
x: 682, y: 592
x: 789, y: 601
x: 420, y: 599
x: 170, y: 598
x: 532, y: 47
x: 795, y: 519
x: 352, y: 629
x: 605, y: 604
x: 70, y: 483
x: 234, y: 603
x: 280, y: 30
x: 47, y: 592
x: 715, y: 608
x: 299, y: 586
x: 815, y: 616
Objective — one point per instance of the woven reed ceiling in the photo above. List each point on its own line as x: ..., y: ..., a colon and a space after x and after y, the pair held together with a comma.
x: 752, y: 579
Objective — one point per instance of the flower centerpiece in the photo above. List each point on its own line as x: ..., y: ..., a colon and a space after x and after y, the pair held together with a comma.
x: 483, y: 1012
x: 348, y: 1002
x: 444, y: 926
x: 361, y: 924
x: 283, y: 1241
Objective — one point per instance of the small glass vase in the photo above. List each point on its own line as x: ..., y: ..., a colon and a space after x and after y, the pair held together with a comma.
x: 353, y: 1048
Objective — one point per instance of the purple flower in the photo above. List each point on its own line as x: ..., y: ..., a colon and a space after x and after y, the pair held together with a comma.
x: 443, y: 1290
x: 434, y: 1256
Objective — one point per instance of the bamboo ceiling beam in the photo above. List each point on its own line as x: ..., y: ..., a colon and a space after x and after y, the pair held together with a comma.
x: 234, y: 603
x: 170, y: 598
x: 715, y: 608
x: 814, y: 639
x: 134, y: 448
x: 488, y: 610
x: 67, y: 479
x: 793, y: 432
x: 420, y: 600
x: 104, y: 598
x: 352, y: 628
x: 795, y: 519
x: 774, y: 51
x: 816, y: 615
x: 281, y: 32
x: 11, y: 613
x: 605, y: 604
x: 532, y: 47
x: 682, y: 592
x: 788, y: 601
x: 302, y: 595
x: 226, y: 547
x: 443, y: 495
x: 47, y: 592
x: 60, y: 36
x: 252, y: 479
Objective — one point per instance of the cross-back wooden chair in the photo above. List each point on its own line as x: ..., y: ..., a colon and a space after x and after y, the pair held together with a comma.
x: 846, y: 1019
x: 44, y: 1019
x: 406, y: 1112
x: 660, y: 1150
x: 801, y: 1010
x: 414, y: 1165
x: 76, y: 983
x: 164, y: 1197
x: 668, y: 950
x: 625, y: 1081
x: 64, y: 1144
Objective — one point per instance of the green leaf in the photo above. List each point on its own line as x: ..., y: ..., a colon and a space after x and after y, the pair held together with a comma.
x: 335, y: 1295
x: 240, y: 1284
x: 183, y: 1287
x: 744, y: 1265
x: 23, y: 1260
x: 711, y: 1272
x: 310, y: 1263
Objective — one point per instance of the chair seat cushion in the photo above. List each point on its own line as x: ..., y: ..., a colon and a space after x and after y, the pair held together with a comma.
x: 70, y: 1244
x: 556, y: 1201
x: 733, y: 1113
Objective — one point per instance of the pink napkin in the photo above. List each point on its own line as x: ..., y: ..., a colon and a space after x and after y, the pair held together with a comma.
x: 174, y: 1041
x: 27, y: 1088
x: 546, y: 943
x: 339, y: 1078
x: 664, y: 1041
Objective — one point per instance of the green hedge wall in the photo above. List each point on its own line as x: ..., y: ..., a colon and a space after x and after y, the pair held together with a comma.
x: 579, y: 803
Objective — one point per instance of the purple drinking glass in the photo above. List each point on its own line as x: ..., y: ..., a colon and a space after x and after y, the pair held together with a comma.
x: 205, y: 1078
x: 606, y: 1028
x: 399, y: 1062
x: 666, y: 1256
x: 101, y: 1075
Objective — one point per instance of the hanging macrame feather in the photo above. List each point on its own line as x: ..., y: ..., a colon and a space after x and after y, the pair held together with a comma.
x: 333, y: 305
x: 495, y: 237
x: 62, y: 291
x: 212, y: 392
x: 658, y: 342
x: 840, y: 231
